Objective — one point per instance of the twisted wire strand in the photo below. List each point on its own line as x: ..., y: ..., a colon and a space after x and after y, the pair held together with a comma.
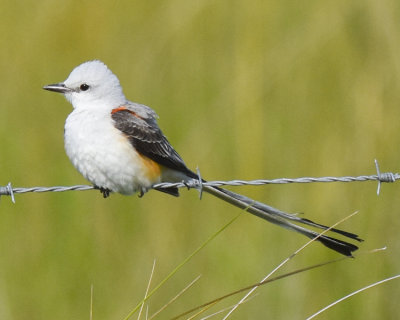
x: 198, y: 184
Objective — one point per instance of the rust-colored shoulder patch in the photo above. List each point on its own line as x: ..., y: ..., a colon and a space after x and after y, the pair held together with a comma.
x: 123, y: 108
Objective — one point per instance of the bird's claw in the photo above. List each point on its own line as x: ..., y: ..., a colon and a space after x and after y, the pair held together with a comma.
x: 106, y: 192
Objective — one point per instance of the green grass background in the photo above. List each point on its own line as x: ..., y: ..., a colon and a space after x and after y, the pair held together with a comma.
x: 244, y: 90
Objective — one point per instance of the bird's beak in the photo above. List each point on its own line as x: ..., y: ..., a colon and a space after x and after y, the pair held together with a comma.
x: 57, y: 87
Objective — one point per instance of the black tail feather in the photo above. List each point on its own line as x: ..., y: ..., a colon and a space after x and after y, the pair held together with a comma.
x: 281, y: 218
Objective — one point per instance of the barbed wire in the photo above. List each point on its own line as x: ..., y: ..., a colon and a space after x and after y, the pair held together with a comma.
x: 8, y: 190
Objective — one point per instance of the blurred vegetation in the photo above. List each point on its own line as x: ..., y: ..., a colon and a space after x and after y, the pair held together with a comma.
x: 244, y: 89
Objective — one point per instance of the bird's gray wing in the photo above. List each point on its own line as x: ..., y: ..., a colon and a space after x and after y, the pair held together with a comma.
x: 138, y: 123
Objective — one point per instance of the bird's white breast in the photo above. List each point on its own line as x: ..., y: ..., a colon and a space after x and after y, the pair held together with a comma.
x: 102, y: 154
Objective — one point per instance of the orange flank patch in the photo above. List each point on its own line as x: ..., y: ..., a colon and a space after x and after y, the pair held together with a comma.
x: 153, y: 169
x: 123, y: 108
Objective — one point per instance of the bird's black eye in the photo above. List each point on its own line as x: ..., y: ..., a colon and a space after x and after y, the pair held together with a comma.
x: 84, y: 87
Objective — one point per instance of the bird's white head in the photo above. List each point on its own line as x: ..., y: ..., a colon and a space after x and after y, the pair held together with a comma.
x: 91, y: 85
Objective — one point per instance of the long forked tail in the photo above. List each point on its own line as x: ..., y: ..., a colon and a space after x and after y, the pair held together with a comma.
x: 283, y: 219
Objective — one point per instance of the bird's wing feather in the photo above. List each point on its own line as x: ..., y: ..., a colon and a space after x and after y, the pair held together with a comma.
x: 138, y: 123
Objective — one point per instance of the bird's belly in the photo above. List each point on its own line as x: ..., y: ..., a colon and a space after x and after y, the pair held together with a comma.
x: 105, y: 157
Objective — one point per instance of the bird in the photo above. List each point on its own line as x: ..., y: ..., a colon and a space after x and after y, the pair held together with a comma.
x: 118, y: 146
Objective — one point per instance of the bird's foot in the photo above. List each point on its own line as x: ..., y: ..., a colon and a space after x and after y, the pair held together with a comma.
x: 142, y: 191
x: 106, y: 192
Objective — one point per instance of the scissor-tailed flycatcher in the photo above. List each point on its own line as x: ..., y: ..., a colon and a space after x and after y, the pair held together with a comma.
x: 117, y: 145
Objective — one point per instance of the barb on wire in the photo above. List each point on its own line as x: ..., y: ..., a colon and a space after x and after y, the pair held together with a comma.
x: 8, y: 190
x: 383, y: 177
x: 200, y: 181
